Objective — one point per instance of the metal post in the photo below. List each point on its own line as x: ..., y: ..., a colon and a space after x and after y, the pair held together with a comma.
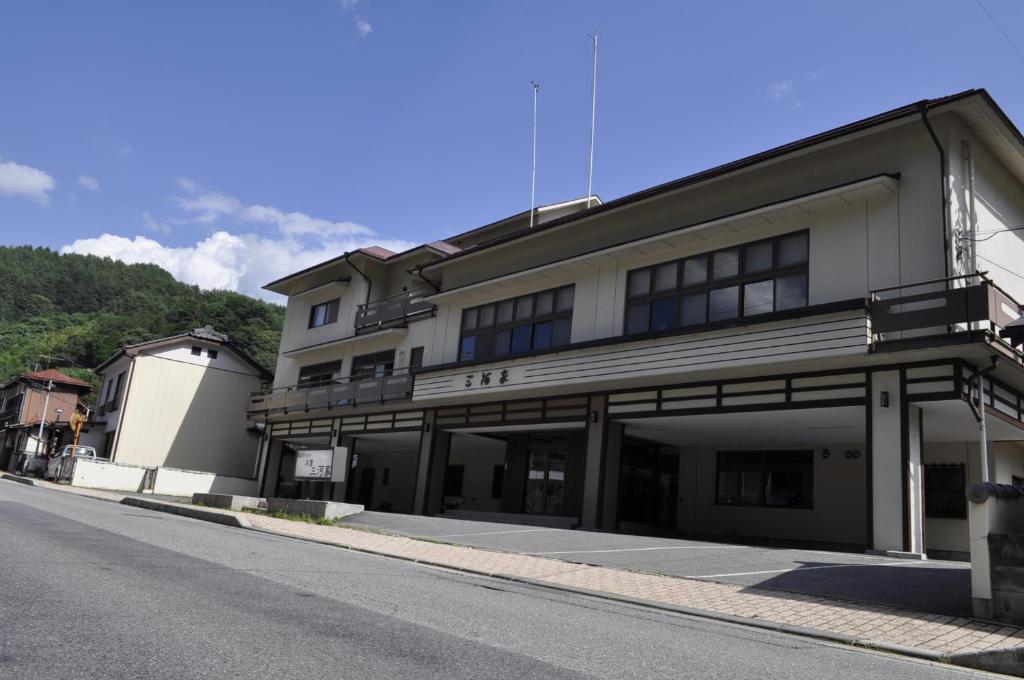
x: 533, y: 178
x: 593, y: 120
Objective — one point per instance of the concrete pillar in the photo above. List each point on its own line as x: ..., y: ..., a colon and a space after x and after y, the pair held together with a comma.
x: 915, y: 479
x: 342, y: 468
x: 610, y: 483
x: 271, y: 468
x: 593, y: 462
x: 430, y: 468
x: 896, y: 498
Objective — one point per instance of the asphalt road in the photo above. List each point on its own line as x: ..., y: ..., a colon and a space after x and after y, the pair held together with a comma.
x: 930, y: 586
x: 90, y: 589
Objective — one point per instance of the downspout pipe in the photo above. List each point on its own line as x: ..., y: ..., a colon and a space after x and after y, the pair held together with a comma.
x: 978, y: 409
x: 369, y: 283
x: 942, y: 181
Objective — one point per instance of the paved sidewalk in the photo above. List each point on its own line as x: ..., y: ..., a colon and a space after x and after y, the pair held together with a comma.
x: 875, y: 625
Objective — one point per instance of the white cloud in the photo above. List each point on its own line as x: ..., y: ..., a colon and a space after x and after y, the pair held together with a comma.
x: 89, y: 182
x: 240, y: 259
x: 210, y: 206
x: 238, y: 262
x: 781, y: 90
x: 24, y: 180
x: 363, y: 25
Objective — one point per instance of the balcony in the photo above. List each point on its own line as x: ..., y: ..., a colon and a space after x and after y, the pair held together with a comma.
x: 393, y: 311
x: 341, y: 393
x: 903, y: 316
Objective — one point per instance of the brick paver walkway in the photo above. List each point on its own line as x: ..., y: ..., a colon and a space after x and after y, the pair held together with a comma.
x: 871, y: 624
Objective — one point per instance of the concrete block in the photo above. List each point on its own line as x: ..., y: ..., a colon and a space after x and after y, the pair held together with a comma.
x: 227, y: 501
x: 324, y: 509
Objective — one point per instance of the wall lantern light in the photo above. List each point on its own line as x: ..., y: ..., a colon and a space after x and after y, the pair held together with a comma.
x: 883, y: 398
x: 593, y: 416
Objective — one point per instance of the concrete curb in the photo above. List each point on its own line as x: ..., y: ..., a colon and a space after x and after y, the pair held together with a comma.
x: 19, y: 480
x: 188, y: 511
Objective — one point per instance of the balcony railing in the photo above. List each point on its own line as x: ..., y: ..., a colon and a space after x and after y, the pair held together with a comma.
x: 392, y: 311
x: 344, y: 392
x: 942, y: 306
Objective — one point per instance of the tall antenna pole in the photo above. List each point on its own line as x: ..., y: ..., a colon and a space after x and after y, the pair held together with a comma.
x: 533, y: 179
x: 593, y: 121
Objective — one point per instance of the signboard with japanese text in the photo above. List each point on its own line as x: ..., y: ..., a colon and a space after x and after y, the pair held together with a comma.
x: 313, y: 463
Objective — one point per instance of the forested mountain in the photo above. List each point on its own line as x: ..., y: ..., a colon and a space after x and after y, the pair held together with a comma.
x: 73, y: 311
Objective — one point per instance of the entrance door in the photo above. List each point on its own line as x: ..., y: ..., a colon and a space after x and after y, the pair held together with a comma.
x: 366, y: 479
x: 649, y: 485
x: 545, y: 478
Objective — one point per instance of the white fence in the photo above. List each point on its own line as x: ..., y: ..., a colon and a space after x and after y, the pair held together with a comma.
x: 161, y: 480
x: 107, y: 475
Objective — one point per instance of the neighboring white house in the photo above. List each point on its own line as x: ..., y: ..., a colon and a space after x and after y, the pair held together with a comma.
x: 781, y: 347
x: 179, y: 402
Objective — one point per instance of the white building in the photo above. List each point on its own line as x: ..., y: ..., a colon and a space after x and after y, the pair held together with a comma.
x: 175, y: 402
x: 782, y: 347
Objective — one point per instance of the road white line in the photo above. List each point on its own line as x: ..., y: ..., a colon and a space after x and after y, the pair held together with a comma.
x: 658, y: 547
x: 487, y: 533
x: 901, y: 563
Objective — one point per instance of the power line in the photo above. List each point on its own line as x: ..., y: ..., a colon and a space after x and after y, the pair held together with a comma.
x: 1000, y: 29
x: 991, y: 233
x: 996, y: 264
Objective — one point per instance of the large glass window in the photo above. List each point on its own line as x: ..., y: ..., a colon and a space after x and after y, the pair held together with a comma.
x: 545, y: 479
x: 534, y: 322
x: 747, y: 281
x: 778, y: 479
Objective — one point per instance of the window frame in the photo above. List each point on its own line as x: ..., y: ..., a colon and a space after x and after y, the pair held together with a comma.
x: 740, y: 280
x: 330, y: 308
x: 321, y: 381
x: 764, y: 457
x: 486, y: 337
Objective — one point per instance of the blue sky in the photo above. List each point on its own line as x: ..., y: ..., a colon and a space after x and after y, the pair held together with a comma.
x: 235, y: 141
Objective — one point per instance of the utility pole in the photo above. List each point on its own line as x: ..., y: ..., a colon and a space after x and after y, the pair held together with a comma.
x: 42, y: 419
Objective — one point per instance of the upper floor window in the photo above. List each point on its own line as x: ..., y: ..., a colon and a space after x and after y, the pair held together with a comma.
x: 324, y: 313
x: 374, y: 365
x: 196, y: 350
x: 211, y: 353
x: 749, y: 280
x: 114, y: 395
x: 319, y: 374
x: 532, y: 322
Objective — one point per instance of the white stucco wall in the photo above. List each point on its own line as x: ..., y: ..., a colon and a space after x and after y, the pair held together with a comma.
x: 187, y: 416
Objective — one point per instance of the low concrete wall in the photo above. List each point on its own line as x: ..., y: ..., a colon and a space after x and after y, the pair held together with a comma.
x: 106, y: 475
x: 227, y: 501
x: 996, y: 518
x: 174, y: 482
x: 324, y: 509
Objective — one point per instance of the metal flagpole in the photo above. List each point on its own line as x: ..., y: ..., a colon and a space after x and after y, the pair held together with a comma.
x: 593, y: 121
x: 533, y: 179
